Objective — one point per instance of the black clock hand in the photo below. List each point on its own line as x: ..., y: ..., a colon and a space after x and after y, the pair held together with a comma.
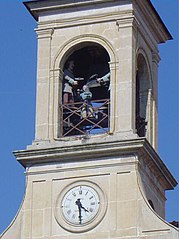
x: 84, y: 208
x: 78, y: 203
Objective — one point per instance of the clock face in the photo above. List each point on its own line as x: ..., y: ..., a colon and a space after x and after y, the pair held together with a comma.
x: 80, y: 204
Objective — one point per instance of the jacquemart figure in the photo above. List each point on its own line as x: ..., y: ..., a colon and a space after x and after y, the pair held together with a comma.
x: 68, y: 83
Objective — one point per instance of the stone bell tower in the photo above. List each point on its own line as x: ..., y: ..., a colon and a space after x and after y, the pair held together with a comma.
x: 93, y: 170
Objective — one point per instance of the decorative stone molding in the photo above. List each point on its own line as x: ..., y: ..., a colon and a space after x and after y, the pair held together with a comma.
x: 44, y: 33
x: 147, y: 15
x: 129, y: 21
x: 78, y: 152
x: 155, y: 58
x: 114, y: 65
x: 84, y: 20
x: 92, y: 38
x: 40, y: 7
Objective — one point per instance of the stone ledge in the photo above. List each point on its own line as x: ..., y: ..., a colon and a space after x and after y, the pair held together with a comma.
x: 139, y: 148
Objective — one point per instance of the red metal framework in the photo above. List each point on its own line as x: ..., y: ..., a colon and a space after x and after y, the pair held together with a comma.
x: 84, y: 118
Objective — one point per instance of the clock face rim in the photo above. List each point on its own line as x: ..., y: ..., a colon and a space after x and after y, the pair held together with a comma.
x: 90, y: 215
x: 95, y: 219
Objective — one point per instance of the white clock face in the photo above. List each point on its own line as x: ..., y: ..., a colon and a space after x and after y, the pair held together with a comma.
x: 80, y: 205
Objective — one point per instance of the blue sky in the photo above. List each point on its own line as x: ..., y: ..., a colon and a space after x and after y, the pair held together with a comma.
x: 17, y: 101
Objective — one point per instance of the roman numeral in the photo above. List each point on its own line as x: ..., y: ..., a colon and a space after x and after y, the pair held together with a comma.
x: 74, y: 194
x: 80, y: 192
x: 68, y: 212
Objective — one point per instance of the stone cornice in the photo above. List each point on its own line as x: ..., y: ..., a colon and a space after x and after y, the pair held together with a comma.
x: 78, y: 152
x: 149, y: 159
x: 143, y: 9
x: 98, y: 151
x: 36, y: 8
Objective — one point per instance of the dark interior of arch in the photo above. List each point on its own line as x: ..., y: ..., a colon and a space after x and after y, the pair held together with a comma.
x: 142, y: 91
x: 91, y: 59
x: 88, y: 112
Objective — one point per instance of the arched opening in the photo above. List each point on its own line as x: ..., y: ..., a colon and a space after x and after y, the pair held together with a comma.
x: 142, y: 96
x: 85, y: 90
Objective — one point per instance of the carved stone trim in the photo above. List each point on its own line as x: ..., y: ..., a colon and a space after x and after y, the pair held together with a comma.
x: 85, y: 20
x: 127, y: 22
x: 114, y: 65
x: 44, y: 33
x: 103, y: 150
x: 155, y: 58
